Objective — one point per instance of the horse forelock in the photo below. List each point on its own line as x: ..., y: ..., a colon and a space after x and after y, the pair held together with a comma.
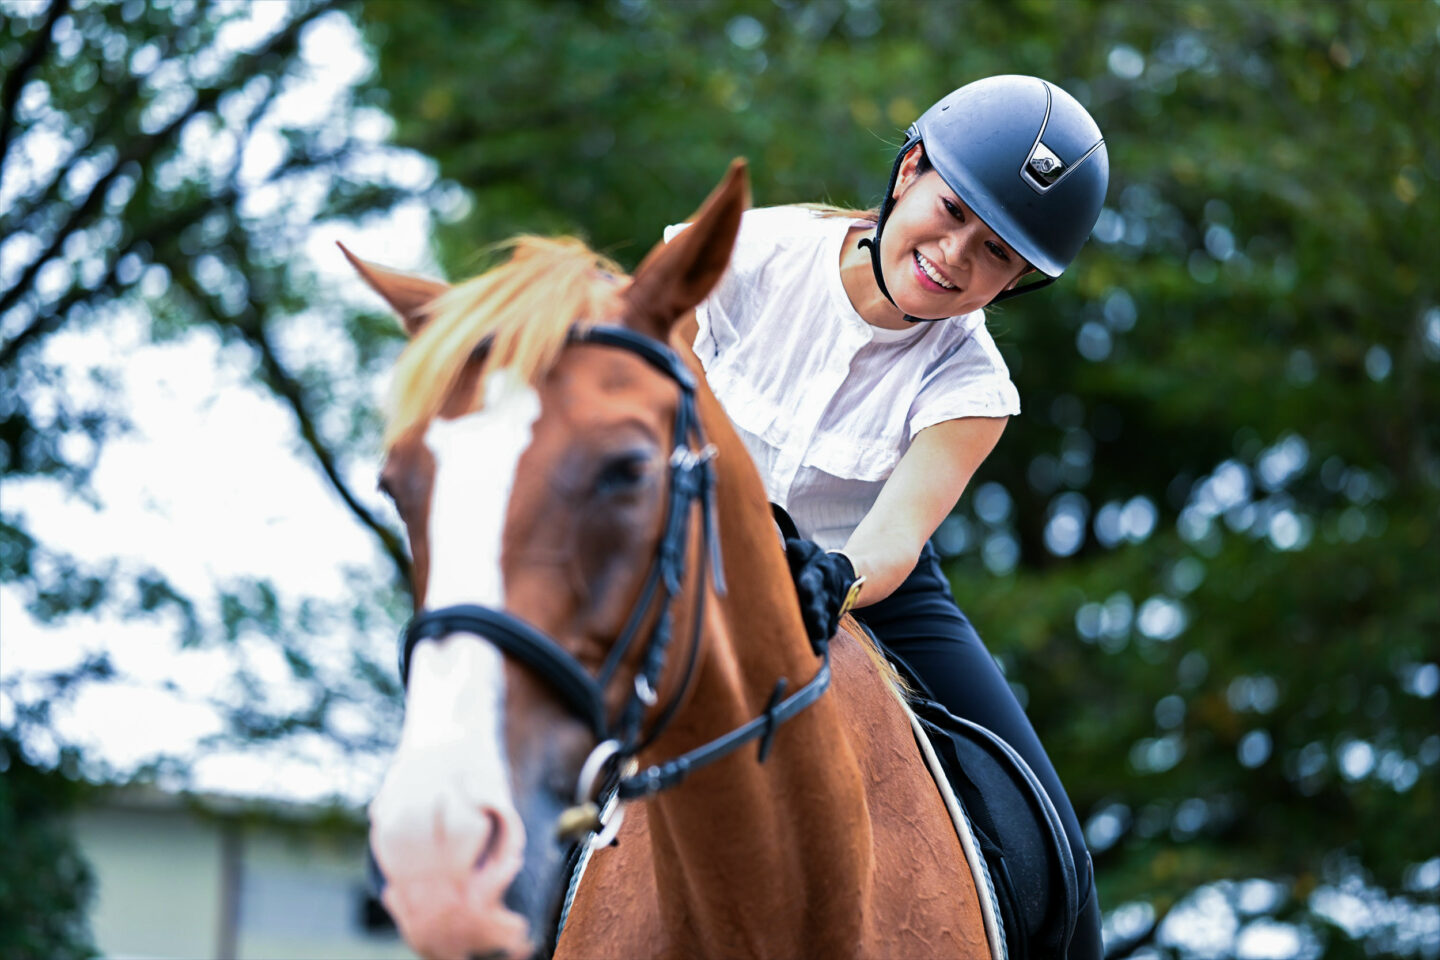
x: 515, y: 316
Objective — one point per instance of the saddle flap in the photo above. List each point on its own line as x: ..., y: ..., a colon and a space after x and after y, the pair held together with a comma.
x: 1019, y: 831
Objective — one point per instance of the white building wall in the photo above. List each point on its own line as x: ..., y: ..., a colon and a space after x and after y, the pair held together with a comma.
x: 157, y: 878
x: 301, y: 898
x: 173, y: 884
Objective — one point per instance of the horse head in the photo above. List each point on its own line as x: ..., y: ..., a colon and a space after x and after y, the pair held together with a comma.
x: 552, y: 488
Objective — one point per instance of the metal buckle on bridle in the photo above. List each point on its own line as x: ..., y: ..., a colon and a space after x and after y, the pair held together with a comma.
x: 686, y: 459
x: 645, y: 693
x: 597, y: 808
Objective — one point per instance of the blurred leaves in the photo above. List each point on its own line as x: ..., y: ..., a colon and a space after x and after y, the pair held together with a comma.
x: 144, y: 166
x: 143, y: 173
x: 160, y: 171
x: 46, y: 887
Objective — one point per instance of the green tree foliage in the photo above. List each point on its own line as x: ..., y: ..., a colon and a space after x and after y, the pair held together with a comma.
x: 155, y: 185
x: 154, y: 178
x: 1206, y: 553
x: 45, y: 885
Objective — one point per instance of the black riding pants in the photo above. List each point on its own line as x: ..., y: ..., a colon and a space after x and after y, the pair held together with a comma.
x: 921, y: 623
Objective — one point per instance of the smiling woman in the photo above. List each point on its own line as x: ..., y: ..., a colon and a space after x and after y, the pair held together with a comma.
x: 943, y: 260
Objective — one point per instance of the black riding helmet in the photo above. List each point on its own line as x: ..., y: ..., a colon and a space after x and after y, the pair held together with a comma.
x: 1026, y: 157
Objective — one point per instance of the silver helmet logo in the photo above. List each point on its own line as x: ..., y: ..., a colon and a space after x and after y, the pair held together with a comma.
x: 1044, y: 166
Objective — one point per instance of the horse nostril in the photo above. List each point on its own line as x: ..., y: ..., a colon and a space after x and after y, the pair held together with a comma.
x: 493, y: 829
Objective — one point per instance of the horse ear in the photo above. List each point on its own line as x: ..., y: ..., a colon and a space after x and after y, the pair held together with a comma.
x: 675, y: 276
x: 407, y: 294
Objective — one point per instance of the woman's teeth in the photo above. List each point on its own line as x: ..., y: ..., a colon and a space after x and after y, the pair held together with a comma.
x: 931, y: 272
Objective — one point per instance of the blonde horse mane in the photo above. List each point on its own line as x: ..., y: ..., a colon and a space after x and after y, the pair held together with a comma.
x: 521, y: 310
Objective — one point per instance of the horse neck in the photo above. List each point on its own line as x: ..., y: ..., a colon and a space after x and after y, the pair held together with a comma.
x: 740, y: 838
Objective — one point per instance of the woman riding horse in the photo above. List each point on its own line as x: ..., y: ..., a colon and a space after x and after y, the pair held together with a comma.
x: 850, y: 350
x: 565, y: 479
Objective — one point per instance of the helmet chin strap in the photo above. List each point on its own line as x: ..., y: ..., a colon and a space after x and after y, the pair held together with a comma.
x: 874, y: 244
x: 1015, y: 292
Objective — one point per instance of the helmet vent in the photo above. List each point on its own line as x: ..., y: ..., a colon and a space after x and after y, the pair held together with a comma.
x: 1044, y: 166
x: 1045, y: 169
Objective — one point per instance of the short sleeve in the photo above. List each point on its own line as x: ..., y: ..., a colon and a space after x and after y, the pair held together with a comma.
x: 971, y: 380
x: 727, y: 315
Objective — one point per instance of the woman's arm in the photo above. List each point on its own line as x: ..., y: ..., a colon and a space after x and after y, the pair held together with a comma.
x: 923, y: 489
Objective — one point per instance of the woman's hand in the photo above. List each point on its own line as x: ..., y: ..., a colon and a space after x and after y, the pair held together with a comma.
x: 826, y: 584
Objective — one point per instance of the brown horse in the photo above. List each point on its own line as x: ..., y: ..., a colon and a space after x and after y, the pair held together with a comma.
x: 561, y: 509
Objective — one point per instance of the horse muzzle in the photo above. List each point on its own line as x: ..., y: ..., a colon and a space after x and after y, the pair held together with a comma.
x: 448, y: 861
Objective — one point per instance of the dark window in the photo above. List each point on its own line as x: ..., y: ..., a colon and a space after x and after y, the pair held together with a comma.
x: 375, y: 920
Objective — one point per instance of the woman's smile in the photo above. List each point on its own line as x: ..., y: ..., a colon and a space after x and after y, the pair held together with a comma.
x: 930, y: 276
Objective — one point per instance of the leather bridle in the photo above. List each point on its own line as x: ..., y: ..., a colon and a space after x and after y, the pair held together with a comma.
x: 609, y: 776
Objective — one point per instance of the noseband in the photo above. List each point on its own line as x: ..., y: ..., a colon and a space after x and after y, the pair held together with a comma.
x: 611, y: 769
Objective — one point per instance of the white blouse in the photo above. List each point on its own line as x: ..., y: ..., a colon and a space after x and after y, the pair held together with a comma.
x: 826, y: 403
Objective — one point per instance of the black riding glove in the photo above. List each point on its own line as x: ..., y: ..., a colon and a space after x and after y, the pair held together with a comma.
x: 825, y: 583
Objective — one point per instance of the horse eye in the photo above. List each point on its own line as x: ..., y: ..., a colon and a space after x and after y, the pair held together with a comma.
x: 623, y: 473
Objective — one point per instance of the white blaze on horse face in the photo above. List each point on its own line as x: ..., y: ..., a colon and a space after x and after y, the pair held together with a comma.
x: 444, y: 826
x: 475, y: 461
x: 457, y: 684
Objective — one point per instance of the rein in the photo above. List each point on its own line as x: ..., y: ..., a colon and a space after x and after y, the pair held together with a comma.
x: 609, y: 776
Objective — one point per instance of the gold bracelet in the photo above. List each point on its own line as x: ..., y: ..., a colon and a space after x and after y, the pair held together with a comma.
x: 853, y: 594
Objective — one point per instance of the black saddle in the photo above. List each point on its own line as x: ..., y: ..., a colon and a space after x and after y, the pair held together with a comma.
x: 1032, y: 870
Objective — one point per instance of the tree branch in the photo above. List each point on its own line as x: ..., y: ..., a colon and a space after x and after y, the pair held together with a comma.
x: 48, y: 321
x: 16, y: 79
x: 116, y: 110
x: 291, y: 392
x: 285, y: 41
x: 251, y: 326
x: 20, y: 215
